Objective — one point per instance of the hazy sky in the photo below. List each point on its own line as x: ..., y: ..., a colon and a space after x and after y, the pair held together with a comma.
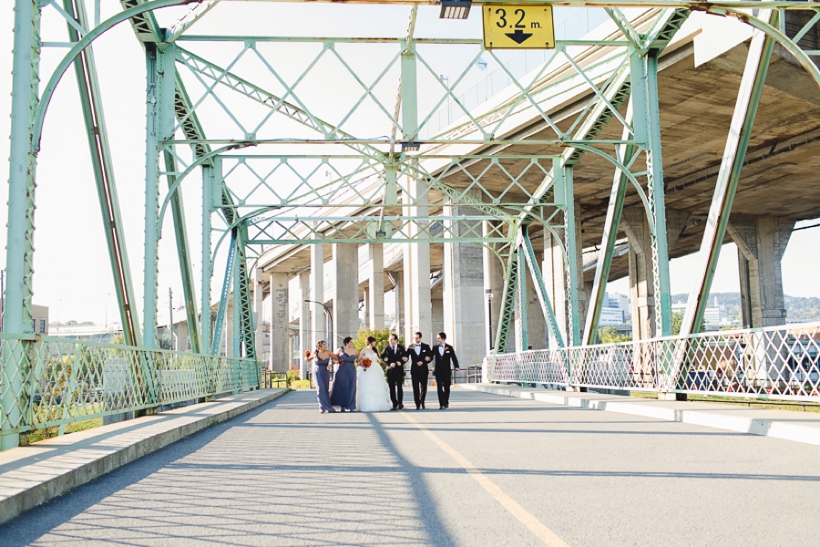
x: 72, y: 272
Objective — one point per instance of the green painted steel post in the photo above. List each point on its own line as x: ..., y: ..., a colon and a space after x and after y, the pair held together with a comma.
x: 564, y: 179
x: 19, y: 246
x: 208, y: 181
x: 156, y: 88
x: 521, y: 327
x: 646, y: 111
x: 409, y: 95
x: 507, y: 304
x: 237, y: 307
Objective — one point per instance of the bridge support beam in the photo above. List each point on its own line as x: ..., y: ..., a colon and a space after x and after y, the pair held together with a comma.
x: 279, y: 320
x: 463, y: 290
x: 493, y: 281
x: 345, y: 290
x: 642, y: 288
x: 375, y: 290
x: 556, y: 274
x: 761, y: 242
x: 258, y: 299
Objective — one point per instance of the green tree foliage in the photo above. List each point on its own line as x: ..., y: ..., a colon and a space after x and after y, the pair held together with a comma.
x: 677, y: 321
x: 382, y: 337
x: 610, y: 335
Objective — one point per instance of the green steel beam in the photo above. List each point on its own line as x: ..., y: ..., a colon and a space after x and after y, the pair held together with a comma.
x: 247, y: 333
x: 223, y: 296
x: 91, y: 100
x: 208, y: 183
x: 14, y: 387
x: 236, y: 334
x: 507, y: 304
x: 522, y: 340
x: 607, y: 248
x: 647, y: 129
x: 540, y: 288
x: 734, y: 154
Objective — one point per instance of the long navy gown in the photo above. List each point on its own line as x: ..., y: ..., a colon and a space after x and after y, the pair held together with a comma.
x: 343, y: 391
x: 321, y: 376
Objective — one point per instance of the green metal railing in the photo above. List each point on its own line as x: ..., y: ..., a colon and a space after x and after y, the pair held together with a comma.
x: 48, y: 381
x: 765, y: 363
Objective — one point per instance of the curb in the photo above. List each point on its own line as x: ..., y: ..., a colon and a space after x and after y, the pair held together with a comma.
x: 29, y: 497
x: 789, y: 431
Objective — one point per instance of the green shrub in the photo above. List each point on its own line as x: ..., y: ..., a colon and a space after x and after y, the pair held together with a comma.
x: 299, y: 384
x: 382, y: 337
x: 292, y: 375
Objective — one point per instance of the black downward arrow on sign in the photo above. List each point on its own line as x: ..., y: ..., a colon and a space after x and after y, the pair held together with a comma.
x: 518, y: 36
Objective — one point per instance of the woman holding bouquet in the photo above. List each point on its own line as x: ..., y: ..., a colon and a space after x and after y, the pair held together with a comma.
x: 321, y: 376
x: 374, y: 395
x: 343, y: 391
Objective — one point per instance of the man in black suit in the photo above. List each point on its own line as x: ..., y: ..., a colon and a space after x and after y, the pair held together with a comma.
x: 420, y: 356
x: 395, y: 357
x: 445, y: 360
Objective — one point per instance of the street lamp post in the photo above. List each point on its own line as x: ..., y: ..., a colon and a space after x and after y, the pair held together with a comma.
x: 489, y: 293
x: 329, y: 323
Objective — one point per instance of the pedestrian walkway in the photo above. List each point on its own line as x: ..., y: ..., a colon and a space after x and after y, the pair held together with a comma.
x: 489, y: 471
x: 35, y: 474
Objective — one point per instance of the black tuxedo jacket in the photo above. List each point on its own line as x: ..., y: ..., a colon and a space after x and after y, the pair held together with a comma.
x: 389, y: 356
x: 425, y: 352
x: 445, y: 363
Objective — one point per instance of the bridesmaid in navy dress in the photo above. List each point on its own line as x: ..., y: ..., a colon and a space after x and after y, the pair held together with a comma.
x: 343, y: 392
x: 320, y: 375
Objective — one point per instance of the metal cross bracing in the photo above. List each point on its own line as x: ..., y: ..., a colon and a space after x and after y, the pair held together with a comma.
x: 282, y: 163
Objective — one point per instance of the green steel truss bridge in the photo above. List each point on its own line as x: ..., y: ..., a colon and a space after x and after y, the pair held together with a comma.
x: 285, y: 157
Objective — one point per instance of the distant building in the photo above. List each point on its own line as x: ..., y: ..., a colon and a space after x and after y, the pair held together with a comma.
x: 713, y: 318
x: 39, y: 319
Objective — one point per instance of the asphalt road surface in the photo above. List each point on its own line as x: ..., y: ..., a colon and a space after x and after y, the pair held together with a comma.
x: 489, y: 471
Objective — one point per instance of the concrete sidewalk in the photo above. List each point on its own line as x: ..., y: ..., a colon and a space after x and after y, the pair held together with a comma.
x: 801, y: 427
x: 31, y: 475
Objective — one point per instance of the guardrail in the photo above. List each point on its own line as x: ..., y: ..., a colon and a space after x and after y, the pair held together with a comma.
x: 768, y: 363
x: 54, y: 381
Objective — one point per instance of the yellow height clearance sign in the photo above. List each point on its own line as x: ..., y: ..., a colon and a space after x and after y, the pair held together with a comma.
x: 518, y: 27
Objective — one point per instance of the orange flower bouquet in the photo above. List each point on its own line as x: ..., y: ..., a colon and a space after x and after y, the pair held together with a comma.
x: 307, y: 353
x: 366, y: 363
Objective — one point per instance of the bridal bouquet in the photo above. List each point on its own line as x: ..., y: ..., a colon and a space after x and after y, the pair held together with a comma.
x: 366, y: 363
x: 307, y: 353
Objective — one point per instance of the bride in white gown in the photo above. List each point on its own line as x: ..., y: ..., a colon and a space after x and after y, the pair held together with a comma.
x: 372, y: 394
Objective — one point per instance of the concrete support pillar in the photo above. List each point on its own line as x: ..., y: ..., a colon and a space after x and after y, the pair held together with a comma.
x: 258, y: 298
x: 279, y: 343
x: 304, y: 323
x: 375, y: 291
x: 642, y: 289
x: 761, y: 242
x: 417, y: 270
x: 437, y: 310
x: 556, y: 276
x: 464, y: 289
x: 345, y: 291
x: 318, y: 319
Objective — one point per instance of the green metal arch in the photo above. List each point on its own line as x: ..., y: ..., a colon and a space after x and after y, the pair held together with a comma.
x: 84, y: 42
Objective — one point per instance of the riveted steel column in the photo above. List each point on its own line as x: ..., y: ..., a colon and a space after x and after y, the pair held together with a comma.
x: 208, y: 183
x: 644, y: 70
x: 159, y: 122
x: 409, y: 95
x: 19, y: 246
x: 565, y: 198
x: 521, y: 335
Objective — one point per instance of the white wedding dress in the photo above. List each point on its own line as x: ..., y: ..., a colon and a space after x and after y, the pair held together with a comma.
x: 372, y: 393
